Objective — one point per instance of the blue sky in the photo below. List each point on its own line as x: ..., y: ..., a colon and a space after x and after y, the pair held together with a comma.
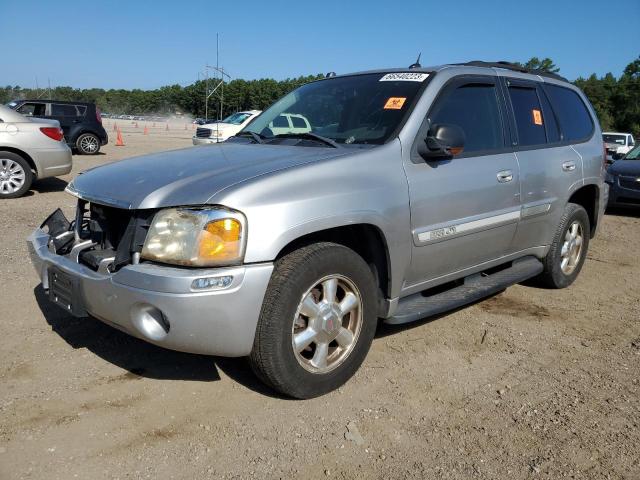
x: 147, y: 44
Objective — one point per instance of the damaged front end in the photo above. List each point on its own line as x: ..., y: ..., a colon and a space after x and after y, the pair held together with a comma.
x: 101, y: 237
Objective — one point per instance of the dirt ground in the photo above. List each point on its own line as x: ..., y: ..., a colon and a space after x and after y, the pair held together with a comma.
x: 531, y: 383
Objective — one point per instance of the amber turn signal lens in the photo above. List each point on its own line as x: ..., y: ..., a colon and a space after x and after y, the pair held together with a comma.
x: 220, y: 240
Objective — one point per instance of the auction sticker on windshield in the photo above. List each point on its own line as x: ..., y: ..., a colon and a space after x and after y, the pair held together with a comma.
x: 395, y: 103
x: 405, y: 77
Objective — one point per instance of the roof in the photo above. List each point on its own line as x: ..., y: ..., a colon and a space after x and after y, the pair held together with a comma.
x: 63, y: 102
x: 492, y: 66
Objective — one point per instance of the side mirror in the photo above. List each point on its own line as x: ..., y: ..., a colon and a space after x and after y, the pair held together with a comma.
x: 442, y: 142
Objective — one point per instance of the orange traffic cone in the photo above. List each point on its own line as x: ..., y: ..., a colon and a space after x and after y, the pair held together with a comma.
x: 146, y: 131
x: 115, y: 127
x: 119, y: 142
x: 167, y: 129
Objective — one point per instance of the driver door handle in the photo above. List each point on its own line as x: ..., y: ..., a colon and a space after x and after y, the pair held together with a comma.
x: 505, y: 176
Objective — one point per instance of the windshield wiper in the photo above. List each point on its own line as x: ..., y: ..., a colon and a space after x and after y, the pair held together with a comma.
x: 309, y: 136
x: 248, y: 133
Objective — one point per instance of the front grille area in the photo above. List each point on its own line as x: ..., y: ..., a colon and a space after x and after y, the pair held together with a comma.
x: 631, y: 183
x: 116, y: 234
x: 203, y: 132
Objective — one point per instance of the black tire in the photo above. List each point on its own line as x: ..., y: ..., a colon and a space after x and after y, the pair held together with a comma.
x: 28, y: 174
x: 273, y: 358
x: 88, y: 144
x: 553, y: 276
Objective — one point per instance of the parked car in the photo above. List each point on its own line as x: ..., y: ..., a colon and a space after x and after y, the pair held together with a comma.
x: 416, y: 191
x: 289, y: 123
x: 623, y: 178
x: 80, y: 121
x: 30, y: 149
x: 215, y: 132
x: 617, y: 144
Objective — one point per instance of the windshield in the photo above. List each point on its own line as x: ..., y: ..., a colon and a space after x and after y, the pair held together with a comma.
x: 633, y: 154
x: 619, y: 139
x: 364, y: 109
x: 236, y: 118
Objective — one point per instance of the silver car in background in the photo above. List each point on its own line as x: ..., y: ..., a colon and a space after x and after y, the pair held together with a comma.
x: 30, y: 149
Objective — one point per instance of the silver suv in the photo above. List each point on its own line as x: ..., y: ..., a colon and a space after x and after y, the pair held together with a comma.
x: 415, y: 191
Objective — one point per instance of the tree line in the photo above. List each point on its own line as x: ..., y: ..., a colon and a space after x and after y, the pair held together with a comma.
x: 615, y: 99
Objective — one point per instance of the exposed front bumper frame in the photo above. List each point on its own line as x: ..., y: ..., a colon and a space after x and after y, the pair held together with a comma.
x: 214, y: 322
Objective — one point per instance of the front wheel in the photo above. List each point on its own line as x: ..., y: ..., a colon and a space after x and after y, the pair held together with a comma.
x: 88, y: 144
x: 317, y: 321
x: 568, y: 249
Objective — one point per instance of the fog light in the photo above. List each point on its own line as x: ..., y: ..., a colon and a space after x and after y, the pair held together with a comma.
x: 207, y: 283
x: 150, y: 321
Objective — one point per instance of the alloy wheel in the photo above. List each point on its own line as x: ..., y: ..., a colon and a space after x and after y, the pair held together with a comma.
x: 327, y: 324
x: 12, y: 176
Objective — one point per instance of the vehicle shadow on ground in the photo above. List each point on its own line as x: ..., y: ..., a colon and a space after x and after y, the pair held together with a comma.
x: 51, y: 184
x: 142, y: 358
x: 623, y: 212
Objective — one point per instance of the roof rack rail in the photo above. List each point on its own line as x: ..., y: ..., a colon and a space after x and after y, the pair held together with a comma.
x: 512, y: 66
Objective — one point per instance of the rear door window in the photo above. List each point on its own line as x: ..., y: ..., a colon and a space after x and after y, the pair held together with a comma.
x: 528, y: 115
x: 573, y: 115
x: 474, y: 108
x: 549, y: 119
x: 63, y: 110
x: 298, y: 122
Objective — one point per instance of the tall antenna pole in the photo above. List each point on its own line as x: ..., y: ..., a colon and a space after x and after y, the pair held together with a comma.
x: 217, y: 69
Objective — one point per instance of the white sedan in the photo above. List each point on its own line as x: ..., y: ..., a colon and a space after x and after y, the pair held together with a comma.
x: 216, y: 132
x: 30, y: 149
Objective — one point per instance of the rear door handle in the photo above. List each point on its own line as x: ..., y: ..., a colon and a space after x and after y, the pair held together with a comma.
x: 569, y: 166
x: 505, y: 176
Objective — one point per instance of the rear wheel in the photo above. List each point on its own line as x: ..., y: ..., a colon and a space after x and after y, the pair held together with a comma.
x: 568, y: 249
x: 88, y: 144
x: 15, y: 175
x: 317, y: 321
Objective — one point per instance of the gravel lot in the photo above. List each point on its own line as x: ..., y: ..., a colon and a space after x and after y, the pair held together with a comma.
x: 531, y: 383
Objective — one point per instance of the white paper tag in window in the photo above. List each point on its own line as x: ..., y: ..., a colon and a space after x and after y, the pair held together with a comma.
x: 405, y: 77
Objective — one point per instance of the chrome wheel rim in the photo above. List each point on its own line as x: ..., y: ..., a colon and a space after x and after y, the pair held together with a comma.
x: 327, y: 324
x: 571, y: 248
x: 12, y: 176
x: 89, y: 144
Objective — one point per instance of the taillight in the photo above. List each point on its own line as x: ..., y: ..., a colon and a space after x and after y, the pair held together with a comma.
x: 53, y: 132
x: 98, y: 115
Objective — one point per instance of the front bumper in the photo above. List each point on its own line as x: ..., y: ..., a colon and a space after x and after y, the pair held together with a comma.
x: 621, y: 196
x: 206, y: 140
x: 138, y: 298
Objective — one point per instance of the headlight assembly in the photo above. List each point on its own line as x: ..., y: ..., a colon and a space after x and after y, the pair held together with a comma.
x: 198, y: 237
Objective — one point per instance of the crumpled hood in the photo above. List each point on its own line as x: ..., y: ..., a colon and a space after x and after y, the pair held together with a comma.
x: 625, y: 167
x: 190, y: 176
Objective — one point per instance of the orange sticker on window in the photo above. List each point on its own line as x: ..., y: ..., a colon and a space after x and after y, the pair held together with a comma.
x: 395, y: 103
x: 537, y: 117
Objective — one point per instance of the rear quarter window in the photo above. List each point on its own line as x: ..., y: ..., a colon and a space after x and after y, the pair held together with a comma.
x: 573, y: 115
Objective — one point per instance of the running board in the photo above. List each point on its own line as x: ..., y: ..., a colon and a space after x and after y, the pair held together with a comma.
x: 475, y: 287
